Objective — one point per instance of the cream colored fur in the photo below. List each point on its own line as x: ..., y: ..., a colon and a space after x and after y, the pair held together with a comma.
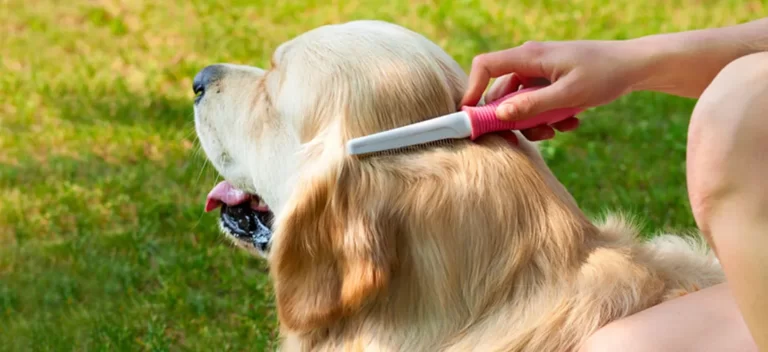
x: 465, y: 246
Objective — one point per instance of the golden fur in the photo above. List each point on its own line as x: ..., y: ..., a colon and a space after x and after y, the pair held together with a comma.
x: 464, y: 246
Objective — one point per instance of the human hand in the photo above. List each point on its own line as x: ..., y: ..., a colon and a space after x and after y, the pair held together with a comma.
x: 582, y: 74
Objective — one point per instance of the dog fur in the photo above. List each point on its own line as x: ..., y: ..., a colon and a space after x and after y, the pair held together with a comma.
x: 461, y: 246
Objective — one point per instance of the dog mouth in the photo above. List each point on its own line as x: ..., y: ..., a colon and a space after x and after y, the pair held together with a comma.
x: 244, y: 217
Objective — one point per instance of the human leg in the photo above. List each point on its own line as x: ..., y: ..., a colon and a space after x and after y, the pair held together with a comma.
x: 728, y: 181
x: 703, y: 321
x: 728, y: 132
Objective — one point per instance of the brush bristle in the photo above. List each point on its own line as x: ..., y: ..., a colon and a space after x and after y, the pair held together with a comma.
x: 406, y: 149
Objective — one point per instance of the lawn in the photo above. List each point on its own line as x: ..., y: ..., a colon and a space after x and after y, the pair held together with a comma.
x: 104, y: 244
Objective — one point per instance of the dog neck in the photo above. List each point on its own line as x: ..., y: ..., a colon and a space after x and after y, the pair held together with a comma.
x: 481, y: 232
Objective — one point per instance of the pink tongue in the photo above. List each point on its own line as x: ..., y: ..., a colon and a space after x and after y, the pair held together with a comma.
x: 226, y: 194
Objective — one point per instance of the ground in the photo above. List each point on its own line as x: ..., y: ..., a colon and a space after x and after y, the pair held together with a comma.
x: 104, y: 244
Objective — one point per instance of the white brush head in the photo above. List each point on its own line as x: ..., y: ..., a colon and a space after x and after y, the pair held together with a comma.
x: 455, y: 126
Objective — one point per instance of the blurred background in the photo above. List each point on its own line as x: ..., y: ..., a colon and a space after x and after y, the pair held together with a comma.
x: 104, y: 244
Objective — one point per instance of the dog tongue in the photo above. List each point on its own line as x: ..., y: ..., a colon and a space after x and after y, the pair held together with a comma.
x: 226, y: 194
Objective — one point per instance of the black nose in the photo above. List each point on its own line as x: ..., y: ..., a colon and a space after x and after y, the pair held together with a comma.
x: 205, y: 77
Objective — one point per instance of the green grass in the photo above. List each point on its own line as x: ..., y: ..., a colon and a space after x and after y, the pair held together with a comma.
x: 103, y: 241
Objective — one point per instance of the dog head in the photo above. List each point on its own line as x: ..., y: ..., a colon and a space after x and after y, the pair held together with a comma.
x: 345, y: 227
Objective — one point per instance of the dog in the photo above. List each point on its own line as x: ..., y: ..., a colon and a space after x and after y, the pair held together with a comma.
x: 456, y: 246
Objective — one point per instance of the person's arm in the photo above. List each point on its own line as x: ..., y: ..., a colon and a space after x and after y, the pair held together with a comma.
x: 588, y: 73
x: 685, y: 63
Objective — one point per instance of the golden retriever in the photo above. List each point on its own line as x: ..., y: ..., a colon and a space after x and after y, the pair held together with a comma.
x: 458, y: 246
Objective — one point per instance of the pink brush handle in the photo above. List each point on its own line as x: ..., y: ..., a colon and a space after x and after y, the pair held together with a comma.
x: 484, y: 120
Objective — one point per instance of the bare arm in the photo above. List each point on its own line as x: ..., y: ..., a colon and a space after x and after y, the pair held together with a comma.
x: 588, y: 73
x: 685, y: 63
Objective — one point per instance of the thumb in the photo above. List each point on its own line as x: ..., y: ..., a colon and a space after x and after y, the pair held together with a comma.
x: 525, y: 105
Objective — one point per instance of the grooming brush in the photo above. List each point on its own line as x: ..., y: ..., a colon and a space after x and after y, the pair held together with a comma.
x: 470, y: 122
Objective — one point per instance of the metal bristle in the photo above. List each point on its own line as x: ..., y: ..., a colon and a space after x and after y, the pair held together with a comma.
x: 407, y: 149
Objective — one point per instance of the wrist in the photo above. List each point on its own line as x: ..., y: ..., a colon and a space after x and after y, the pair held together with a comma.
x: 685, y: 63
x: 680, y: 64
x: 648, y: 59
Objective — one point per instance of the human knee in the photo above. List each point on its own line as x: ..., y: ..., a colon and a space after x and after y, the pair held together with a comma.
x: 736, y: 97
x: 740, y: 86
x: 751, y: 61
x: 733, y: 112
x: 749, y: 70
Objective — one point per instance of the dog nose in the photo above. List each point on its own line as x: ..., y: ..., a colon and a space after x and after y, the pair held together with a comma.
x: 205, y: 77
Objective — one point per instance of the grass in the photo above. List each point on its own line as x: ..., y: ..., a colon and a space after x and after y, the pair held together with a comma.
x: 103, y: 241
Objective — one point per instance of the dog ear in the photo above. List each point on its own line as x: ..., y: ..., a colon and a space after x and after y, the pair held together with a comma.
x: 329, y: 256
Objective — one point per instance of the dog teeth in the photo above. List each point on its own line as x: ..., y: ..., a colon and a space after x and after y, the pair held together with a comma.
x: 258, y: 204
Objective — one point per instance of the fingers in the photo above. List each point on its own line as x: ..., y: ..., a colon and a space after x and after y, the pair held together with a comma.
x: 557, y: 95
x: 503, y: 86
x: 540, y: 133
x: 521, y: 60
x: 566, y: 125
x: 511, y: 83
